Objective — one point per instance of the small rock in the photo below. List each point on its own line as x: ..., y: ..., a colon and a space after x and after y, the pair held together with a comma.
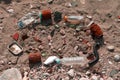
x: 84, y: 78
x: 34, y: 6
x: 74, y: 3
x: 88, y: 16
x: 76, y: 47
x: 11, y: 74
x: 110, y: 48
x: 15, y: 36
x: 110, y: 62
x: 40, y: 47
x: 50, y: 70
x: 1, y: 62
x: 113, y: 72
x: 68, y: 5
x: 103, y: 72
x: 43, y: 32
x: 50, y: 1
x: 46, y: 74
x: 94, y: 77
x: 71, y: 73
x: 57, y: 26
x: 88, y: 73
x: 62, y: 32
x: 117, y: 58
x: 10, y: 10
x: 1, y: 21
x: 109, y: 78
x: 67, y: 78
x: 50, y: 44
x: 37, y: 39
x: 35, y: 57
x: 82, y: 1
x: 25, y: 76
x: 49, y: 38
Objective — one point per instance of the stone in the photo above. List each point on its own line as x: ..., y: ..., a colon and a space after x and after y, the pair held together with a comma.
x: 25, y: 76
x: 71, y: 73
x: 15, y: 36
x: 1, y: 21
x: 109, y: 78
x: 62, y: 32
x: 67, y: 78
x: 82, y: 1
x: 11, y: 74
x: 46, y: 74
x: 50, y: 1
x: 88, y: 73
x: 110, y: 48
x: 49, y: 38
x: 10, y: 10
x: 40, y: 47
x: 113, y: 72
x: 84, y: 78
x: 110, y: 62
x: 74, y: 3
x: 35, y: 6
x: 94, y: 77
x: 35, y: 58
x: 117, y: 58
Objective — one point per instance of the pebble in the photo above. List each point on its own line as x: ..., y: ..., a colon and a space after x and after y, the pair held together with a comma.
x: 76, y: 47
x: 43, y: 32
x: 88, y: 73
x: 117, y: 58
x: 50, y: 44
x: 10, y: 10
x: 113, y: 72
x: 1, y: 21
x: 11, y: 74
x: 110, y: 62
x: 1, y: 62
x: 50, y: 1
x: 46, y: 74
x: 109, y: 78
x: 84, y: 78
x: 62, y: 32
x: 67, y: 78
x: 40, y: 47
x: 74, y: 3
x: 94, y: 77
x: 49, y: 38
x: 110, y: 48
x: 71, y: 73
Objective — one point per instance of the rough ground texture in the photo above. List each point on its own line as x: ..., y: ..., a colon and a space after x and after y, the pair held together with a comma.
x: 104, y: 12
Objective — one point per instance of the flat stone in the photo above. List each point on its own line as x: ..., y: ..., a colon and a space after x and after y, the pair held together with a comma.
x: 110, y: 48
x: 11, y: 74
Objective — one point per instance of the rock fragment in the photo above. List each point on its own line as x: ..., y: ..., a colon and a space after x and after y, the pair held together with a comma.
x: 110, y: 48
x: 117, y: 58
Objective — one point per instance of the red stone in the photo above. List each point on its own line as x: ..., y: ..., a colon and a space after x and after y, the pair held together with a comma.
x: 35, y: 58
x: 15, y: 36
x: 46, y: 14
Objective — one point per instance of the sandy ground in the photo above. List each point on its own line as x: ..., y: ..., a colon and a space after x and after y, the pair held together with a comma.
x: 104, y: 12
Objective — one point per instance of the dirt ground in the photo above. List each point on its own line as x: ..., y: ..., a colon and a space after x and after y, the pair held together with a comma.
x: 104, y: 12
